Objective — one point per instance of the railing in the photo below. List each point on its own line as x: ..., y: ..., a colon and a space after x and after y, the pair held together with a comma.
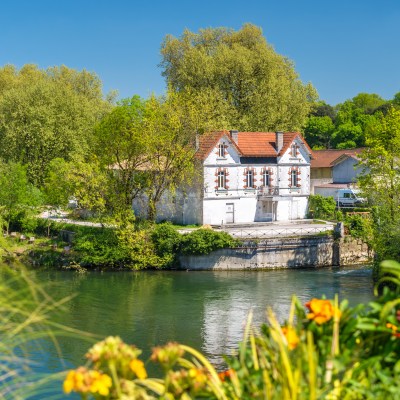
x: 269, y: 191
x: 269, y: 233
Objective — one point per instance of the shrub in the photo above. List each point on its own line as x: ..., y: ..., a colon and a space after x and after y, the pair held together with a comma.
x: 166, y: 239
x: 322, y: 207
x: 204, y: 241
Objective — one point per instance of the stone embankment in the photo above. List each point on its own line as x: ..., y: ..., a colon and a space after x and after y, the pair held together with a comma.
x: 283, y: 253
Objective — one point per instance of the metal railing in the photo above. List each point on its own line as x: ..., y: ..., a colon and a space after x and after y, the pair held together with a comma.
x: 270, y: 233
x: 269, y: 191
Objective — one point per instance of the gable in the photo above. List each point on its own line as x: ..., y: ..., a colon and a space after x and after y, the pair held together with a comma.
x: 251, y: 144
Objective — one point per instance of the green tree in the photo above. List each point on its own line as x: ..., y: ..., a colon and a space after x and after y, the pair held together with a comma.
x: 259, y: 87
x: 122, y: 145
x: 47, y: 114
x: 17, y: 195
x: 381, y: 180
x: 318, y: 131
x: 83, y: 181
x: 170, y: 148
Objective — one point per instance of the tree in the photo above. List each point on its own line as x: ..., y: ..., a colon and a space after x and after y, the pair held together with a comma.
x: 121, y: 144
x: 381, y: 180
x: 47, y: 114
x: 170, y: 148
x: 83, y: 181
x: 17, y: 195
x: 318, y: 131
x: 259, y: 87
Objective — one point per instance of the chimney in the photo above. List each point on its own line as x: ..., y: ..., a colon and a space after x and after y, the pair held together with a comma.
x: 279, y: 141
x: 234, y: 136
x: 197, y: 145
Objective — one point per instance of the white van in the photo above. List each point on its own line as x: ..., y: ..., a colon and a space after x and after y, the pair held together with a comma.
x: 349, y: 198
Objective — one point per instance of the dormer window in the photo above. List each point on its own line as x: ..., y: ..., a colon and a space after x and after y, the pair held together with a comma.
x: 293, y: 150
x: 221, y: 150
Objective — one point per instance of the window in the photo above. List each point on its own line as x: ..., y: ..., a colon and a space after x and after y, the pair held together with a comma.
x: 293, y: 150
x: 221, y: 150
x: 266, y: 178
x: 221, y: 180
x: 294, y: 179
x: 250, y: 178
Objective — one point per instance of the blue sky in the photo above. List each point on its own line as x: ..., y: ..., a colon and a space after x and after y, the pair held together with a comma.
x: 342, y: 47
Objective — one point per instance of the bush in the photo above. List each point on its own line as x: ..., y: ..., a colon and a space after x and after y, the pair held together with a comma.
x: 321, y: 207
x: 204, y: 241
x: 166, y: 239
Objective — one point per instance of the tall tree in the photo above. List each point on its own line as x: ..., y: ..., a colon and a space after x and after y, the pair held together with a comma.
x: 382, y: 180
x: 244, y: 72
x: 121, y: 143
x: 170, y: 147
x: 45, y: 114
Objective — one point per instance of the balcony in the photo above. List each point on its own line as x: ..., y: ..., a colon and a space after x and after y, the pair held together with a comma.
x: 266, y: 191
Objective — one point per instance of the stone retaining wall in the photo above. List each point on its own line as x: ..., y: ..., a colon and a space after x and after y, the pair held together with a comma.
x: 282, y: 253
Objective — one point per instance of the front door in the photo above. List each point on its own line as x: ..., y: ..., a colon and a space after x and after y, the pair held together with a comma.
x: 229, y: 213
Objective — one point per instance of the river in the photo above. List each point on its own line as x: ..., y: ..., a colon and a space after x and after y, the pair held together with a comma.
x: 206, y: 310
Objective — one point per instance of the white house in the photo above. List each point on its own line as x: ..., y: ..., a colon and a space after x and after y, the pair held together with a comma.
x: 254, y: 176
x: 244, y: 177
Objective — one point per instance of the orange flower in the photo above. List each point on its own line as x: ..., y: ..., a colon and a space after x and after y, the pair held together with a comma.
x: 225, y: 374
x: 394, y: 329
x: 322, y: 311
x: 291, y: 337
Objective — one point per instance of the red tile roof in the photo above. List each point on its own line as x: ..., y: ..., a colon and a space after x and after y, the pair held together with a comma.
x: 326, y: 158
x: 250, y: 144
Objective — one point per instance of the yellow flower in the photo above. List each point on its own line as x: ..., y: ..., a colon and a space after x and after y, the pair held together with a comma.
x: 322, y: 310
x: 291, y: 337
x: 75, y: 381
x: 101, y: 383
x: 138, y: 368
x: 197, y: 375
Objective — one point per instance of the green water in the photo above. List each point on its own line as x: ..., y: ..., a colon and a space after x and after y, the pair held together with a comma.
x: 206, y: 310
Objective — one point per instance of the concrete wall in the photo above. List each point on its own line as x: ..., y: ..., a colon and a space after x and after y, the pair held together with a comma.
x: 282, y: 253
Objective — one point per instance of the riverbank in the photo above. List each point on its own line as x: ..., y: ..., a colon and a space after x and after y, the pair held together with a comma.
x: 163, y: 247
x: 283, y: 253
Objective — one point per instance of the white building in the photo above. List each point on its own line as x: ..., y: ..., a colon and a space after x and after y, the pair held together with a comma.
x: 254, y: 176
x: 245, y: 177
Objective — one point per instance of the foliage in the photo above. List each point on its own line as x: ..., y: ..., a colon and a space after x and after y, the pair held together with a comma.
x: 17, y: 195
x: 330, y: 351
x: 45, y: 114
x: 361, y: 227
x: 83, y: 181
x: 147, y: 148
x: 204, y: 241
x: 166, y: 240
x: 255, y: 88
x: 26, y: 311
x: 322, y: 207
x: 381, y: 181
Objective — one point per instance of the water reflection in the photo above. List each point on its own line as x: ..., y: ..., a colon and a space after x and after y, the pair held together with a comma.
x: 206, y: 310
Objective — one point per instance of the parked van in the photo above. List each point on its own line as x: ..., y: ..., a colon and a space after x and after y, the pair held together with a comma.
x: 343, y: 197
x: 349, y: 198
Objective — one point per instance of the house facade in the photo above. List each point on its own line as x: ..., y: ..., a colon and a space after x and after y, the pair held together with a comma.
x: 335, y: 168
x: 243, y: 177
x: 254, y: 176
